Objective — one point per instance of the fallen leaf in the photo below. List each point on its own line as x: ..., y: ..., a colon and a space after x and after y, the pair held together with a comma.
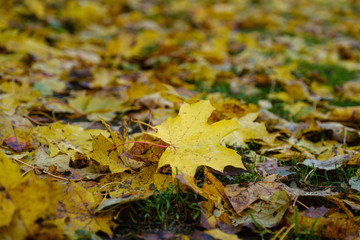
x: 44, y: 161
x: 193, y: 142
x: 76, y: 210
x: 218, y: 234
x: 135, y: 183
x: 315, y: 212
x: 248, y: 130
x: 35, y: 199
x: 7, y: 210
x: 242, y: 198
x: 16, y: 132
x: 354, y: 183
x: 105, y: 154
x: 336, y: 226
x: 124, y: 187
x: 344, y: 114
x: 330, y: 164
x: 268, y: 212
x: 354, y: 205
x: 295, y: 192
x: 10, y: 174
x: 67, y: 139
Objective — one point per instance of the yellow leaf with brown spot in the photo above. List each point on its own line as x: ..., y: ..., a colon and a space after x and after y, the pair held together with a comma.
x: 77, y: 211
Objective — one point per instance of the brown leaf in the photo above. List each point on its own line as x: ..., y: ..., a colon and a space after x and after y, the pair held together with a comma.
x: 241, y: 197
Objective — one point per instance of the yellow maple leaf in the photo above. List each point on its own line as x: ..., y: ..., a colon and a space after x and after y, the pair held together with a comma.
x: 77, y: 211
x: 10, y: 174
x: 36, y: 199
x: 67, y: 139
x: 24, y: 200
x: 193, y: 142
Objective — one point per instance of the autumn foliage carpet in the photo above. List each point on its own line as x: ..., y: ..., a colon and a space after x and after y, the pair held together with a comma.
x: 179, y: 119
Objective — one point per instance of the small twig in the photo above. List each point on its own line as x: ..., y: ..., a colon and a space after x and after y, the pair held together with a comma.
x: 306, y: 177
x: 141, y: 128
x: 61, y: 178
x: 278, y: 233
x: 287, y: 232
x: 43, y: 171
x: 302, y: 204
x: 35, y: 121
x: 154, y: 144
x: 295, y: 200
x: 148, y: 125
x: 166, y: 169
x: 43, y: 114
x: 30, y: 169
x: 18, y: 160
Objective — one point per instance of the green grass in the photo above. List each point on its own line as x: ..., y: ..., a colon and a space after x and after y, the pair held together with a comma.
x: 307, y: 176
x: 333, y: 75
x: 166, y: 210
x: 301, y: 233
x: 167, y: 204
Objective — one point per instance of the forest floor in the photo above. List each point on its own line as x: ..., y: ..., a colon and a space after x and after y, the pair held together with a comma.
x: 179, y: 119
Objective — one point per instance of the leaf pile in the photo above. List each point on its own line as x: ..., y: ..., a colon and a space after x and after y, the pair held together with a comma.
x: 102, y: 105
